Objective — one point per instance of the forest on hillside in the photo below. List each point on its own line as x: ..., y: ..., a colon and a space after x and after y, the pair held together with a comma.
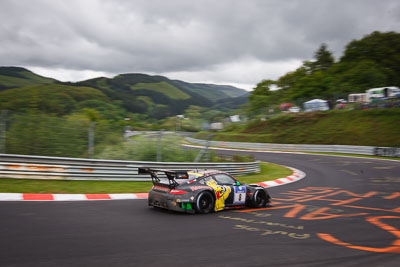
x: 373, y: 61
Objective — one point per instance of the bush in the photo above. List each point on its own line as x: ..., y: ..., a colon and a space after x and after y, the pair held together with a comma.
x: 145, y: 149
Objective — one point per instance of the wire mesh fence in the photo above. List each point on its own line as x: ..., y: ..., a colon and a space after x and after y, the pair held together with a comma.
x: 38, y: 134
x: 77, y: 137
x: 158, y: 146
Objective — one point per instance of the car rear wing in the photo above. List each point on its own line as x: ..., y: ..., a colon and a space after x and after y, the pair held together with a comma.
x: 172, y: 175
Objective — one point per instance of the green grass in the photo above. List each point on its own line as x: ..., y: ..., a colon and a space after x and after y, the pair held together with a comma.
x: 71, y: 187
x: 164, y: 88
x: 269, y: 171
x: 375, y: 127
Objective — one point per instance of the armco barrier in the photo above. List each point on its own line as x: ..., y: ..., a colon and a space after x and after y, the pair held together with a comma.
x: 362, y: 150
x: 387, y: 151
x: 58, y: 168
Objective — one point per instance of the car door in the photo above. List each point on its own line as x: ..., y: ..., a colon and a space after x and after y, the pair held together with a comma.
x: 237, y: 194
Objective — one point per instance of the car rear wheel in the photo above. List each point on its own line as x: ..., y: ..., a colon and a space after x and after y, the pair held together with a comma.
x: 204, y: 202
x: 259, y: 199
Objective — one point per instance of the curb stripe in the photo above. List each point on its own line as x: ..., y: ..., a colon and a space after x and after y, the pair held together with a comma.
x: 142, y: 195
x: 37, y: 197
x: 69, y: 197
x: 296, y: 176
x: 97, y: 196
x: 10, y: 196
x: 123, y: 196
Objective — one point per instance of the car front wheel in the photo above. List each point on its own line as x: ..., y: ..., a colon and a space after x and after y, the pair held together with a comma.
x: 259, y: 199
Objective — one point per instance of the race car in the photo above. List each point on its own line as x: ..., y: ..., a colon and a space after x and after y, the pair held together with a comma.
x: 202, y: 191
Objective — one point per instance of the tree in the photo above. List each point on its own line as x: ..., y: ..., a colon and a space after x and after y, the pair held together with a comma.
x: 373, y: 61
x: 193, y: 112
x: 91, y: 114
x: 356, y: 77
x: 323, y: 57
x: 260, y: 97
x: 380, y: 48
x: 39, y: 134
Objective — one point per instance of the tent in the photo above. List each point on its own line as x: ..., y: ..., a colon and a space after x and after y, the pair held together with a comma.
x: 316, y: 105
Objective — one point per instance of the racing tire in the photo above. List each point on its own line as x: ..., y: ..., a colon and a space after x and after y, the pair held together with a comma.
x: 204, y: 202
x: 259, y: 199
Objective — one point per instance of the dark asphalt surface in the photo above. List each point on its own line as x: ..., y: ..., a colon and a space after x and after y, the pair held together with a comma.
x: 346, y: 212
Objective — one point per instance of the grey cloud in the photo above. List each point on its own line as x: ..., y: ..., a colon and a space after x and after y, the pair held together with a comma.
x: 179, y: 35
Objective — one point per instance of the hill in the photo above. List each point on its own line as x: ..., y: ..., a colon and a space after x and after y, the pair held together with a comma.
x: 210, y: 91
x: 158, y: 95
x: 227, y: 104
x: 14, y: 77
x: 378, y: 127
x: 55, y: 99
x: 155, y: 96
x: 205, y: 94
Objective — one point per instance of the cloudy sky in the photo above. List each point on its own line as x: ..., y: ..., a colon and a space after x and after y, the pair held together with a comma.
x: 213, y: 41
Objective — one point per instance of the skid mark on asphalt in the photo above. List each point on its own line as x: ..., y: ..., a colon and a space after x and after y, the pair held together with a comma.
x: 349, y: 172
x: 386, y: 180
x: 350, y: 163
x: 384, y: 167
x: 344, y: 163
x: 341, y: 204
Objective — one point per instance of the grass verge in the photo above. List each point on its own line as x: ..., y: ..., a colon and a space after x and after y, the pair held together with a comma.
x: 269, y: 171
x: 375, y: 127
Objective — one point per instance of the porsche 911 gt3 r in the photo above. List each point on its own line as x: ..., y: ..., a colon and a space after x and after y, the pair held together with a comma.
x: 202, y: 191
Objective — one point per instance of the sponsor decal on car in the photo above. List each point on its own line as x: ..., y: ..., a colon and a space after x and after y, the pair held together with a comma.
x: 161, y: 188
x: 221, y: 193
x: 194, y: 188
x: 196, y: 174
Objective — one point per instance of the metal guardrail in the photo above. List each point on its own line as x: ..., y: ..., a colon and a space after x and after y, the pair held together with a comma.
x: 362, y: 150
x: 58, y: 168
x: 129, y: 133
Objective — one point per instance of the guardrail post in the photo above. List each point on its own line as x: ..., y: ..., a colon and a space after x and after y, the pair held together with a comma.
x: 205, y: 150
x: 159, y: 152
x: 3, y: 126
x: 91, y: 140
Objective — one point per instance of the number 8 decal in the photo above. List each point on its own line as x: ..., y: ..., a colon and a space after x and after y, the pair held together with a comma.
x: 240, y: 195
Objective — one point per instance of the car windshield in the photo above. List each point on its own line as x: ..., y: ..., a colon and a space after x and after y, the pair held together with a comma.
x: 224, y: 179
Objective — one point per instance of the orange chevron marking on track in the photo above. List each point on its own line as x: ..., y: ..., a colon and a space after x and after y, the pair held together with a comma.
x: 394, y: 248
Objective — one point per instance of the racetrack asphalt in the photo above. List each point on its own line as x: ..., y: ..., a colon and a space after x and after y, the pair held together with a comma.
x: 345, y: 213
